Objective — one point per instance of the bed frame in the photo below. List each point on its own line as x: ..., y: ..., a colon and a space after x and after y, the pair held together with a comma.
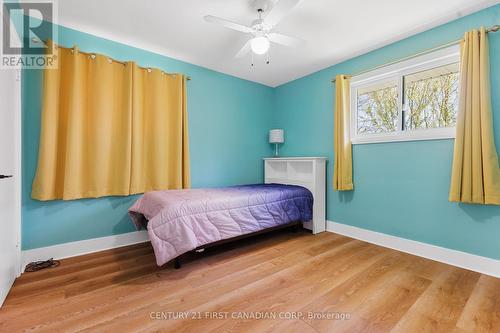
x: 295, y: 225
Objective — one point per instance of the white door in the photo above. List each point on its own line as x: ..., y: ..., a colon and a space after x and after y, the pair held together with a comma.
x: 10, y: 187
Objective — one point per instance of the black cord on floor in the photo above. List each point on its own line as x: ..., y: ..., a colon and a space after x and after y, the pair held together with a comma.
x: 38, y: 265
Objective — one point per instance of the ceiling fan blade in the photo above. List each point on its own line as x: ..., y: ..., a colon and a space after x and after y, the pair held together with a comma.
x: 284, y: 40
x: 244, y: 50
x: 282, y: 8
x: 227, y: 23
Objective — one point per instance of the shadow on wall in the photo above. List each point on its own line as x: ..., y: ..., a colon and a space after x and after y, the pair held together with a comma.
x: 125, y: 222
x: 346, y: 196
x: 481, y: 213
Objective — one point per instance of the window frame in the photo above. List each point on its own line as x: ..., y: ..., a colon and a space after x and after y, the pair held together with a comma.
x: 397, y: 71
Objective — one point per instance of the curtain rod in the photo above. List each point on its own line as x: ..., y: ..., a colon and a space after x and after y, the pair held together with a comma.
x: 36, y: 40
x: 494, y: 28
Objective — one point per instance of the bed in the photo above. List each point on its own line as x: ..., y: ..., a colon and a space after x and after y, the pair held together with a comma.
x: 179, y: 221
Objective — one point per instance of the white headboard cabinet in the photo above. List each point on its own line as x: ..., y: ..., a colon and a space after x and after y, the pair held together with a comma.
x: 309, y: 172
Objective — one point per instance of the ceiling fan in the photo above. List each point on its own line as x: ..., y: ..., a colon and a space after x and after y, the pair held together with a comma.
x: 261, y: 28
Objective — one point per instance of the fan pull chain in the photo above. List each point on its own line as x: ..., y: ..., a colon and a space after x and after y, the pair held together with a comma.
x: 267, y: 58
x: 252, y: 59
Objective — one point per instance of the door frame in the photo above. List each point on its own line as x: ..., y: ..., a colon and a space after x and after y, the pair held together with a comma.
x: 18, y: 164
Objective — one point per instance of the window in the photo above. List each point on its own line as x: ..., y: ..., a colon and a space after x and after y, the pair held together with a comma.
x: 415, y: 99
x: 378, y: 108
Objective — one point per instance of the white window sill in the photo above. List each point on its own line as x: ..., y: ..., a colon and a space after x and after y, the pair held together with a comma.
x: 430, y: 134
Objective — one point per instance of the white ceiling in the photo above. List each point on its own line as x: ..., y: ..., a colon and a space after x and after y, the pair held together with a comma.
x: 334, y: 30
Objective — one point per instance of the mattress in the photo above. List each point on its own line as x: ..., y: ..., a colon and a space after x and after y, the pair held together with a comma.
x: 179, y: 221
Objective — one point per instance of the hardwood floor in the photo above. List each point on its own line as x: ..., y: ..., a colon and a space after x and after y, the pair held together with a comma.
x: 321, y: 283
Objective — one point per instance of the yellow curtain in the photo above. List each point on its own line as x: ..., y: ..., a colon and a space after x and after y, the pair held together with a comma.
x: 342, y: 169
x: 95, y: 118
x: 160, y: 155
x: 475, y: 176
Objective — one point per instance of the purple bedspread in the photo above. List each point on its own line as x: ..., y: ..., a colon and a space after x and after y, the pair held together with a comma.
x: 179, y: 221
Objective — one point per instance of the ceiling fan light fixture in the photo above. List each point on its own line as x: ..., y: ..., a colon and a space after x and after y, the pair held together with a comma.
x: 260, y: 45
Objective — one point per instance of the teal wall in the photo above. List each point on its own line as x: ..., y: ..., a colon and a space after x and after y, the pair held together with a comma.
x: 228, y: 124
x: 401, y: 188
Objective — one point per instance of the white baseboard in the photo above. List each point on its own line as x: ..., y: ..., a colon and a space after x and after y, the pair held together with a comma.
x: 465, y: 260
x: 73, y: 249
